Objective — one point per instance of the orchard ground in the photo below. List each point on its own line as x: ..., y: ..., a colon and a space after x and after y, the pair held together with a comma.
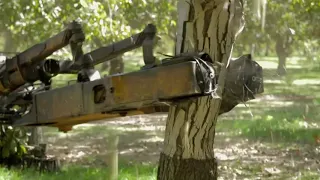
x: 276, y: 136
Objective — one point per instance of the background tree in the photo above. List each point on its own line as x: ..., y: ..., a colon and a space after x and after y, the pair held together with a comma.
x: 285, y: 27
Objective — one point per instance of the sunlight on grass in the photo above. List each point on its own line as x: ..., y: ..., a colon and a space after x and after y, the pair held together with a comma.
x: 272, y: 129
x: 272, y: 62
x: 268, y: 64
x: 141, y: 172
x: 302, y: 82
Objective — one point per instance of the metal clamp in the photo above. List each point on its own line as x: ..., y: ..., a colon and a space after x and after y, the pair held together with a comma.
x: 148, y: 45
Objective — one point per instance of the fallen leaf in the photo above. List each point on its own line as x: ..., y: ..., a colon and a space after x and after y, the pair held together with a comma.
x: 238, y: 171
x: 272, y: 170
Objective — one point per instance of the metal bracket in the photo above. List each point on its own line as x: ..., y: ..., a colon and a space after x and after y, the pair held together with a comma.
x: 87, y: 73
x: 148, y: 45
x: 76, y: 40
x: 107, y: 53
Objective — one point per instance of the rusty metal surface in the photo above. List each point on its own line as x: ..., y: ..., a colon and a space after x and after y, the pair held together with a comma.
x: 125, y: 94
x: 63, y: 102
x: 162, y: 83
x: 65, y: 124
x: 88, y: 96
x: 20, y: 69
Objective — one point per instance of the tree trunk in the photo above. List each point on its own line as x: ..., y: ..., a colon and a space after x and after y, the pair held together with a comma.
x: 8, y: 45
x: 116, y: 65
x: 267, y: 48
x: 281, y: 70
x: 210, y: 26
x: 284, y: 42
x: 36, y: 136
x: 104, y: 66
x: 282, y: 56
x: 253, y: 49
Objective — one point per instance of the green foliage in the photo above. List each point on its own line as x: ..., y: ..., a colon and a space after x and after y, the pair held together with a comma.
x: 108, y: 21
x: 273, y: 127
x: 12, y: 142
x: 302, y: 16
x: 104, y: 21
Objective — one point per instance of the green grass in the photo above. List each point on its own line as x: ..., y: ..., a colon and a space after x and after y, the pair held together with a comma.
x: 294, y: 119
x: 126, y: 172
x: 296, y: 123
x: 272, y: 130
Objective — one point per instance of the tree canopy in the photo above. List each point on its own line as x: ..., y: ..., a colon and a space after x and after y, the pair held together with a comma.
x: 103, y: 21
x: 29, y: 22
x: 300, y: 16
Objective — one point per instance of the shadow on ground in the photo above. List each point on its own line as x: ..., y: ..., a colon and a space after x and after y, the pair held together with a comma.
x: 275, y: 136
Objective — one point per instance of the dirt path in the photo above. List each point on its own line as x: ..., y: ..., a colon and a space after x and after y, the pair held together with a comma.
x: 140, y: 141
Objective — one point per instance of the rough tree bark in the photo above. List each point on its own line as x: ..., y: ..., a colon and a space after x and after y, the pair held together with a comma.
x: 210, y: 26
